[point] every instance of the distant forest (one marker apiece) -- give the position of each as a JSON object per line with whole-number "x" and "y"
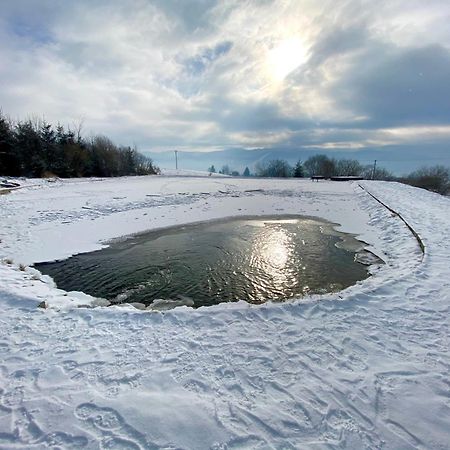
{"x": 36, "y": 148}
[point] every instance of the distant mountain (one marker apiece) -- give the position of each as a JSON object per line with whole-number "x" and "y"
{"x": 398, "y": 159}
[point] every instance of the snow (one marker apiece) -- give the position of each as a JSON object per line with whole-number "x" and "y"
{"x": 364, "y": 368}
{"x": 190, "y": 173}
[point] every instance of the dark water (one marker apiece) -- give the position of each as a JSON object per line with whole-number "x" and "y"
{"x": 250, "y": 259}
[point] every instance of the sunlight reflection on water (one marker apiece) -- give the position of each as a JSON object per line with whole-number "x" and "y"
{"x": 253, "y": 259}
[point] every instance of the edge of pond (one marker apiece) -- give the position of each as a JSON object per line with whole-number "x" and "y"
{"x": 374, "y": 263}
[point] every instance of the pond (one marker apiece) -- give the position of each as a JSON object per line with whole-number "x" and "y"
{"x": 252, "y": 259}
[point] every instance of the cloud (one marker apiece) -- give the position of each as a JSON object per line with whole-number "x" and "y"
{"x": 197, "y": 64}
{"x": 399, "y": 85}
{"x": 199, "y": 74}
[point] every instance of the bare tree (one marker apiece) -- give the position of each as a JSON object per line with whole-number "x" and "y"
{"x": 380, "y": 173}
{"x": 274, "y": 168}
{"x": 348, "y": 167}
{"x": 436, "y": 179}
{"x": 320, "y": 165}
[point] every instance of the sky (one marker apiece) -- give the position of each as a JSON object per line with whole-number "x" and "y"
{"x": 336, "y": 76}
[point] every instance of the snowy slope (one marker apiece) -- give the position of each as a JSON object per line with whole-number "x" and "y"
{"x": 365, "y": 368}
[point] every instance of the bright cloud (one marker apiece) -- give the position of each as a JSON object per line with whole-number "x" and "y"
{"x": 211, "y": 74}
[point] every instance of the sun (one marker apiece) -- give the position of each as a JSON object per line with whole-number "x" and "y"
{"x": 285, "y": 57}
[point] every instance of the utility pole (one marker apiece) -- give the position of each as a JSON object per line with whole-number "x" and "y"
{"x": 176, "y": 159}
{"x": 374, "y": 168}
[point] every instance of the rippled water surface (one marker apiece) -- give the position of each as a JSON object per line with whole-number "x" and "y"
{"x": 251, "y": 259}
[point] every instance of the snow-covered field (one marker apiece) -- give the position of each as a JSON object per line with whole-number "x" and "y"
{"x": 366, "y": 368}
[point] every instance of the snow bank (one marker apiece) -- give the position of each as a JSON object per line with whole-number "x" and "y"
{"x": 365, "y": 368}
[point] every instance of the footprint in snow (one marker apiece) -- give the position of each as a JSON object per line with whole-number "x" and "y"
{"x": 115, "y": 432}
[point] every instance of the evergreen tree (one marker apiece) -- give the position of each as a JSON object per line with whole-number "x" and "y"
{"x": 246, "y": 172}
{"x": 9, "y": 161}
{"x": 298, "y": 170}
{"x": 29, "y": 147}
{"x": 34, "y": 148}
{"x": 212, "y": 169}
{"x": 49, "y": 147}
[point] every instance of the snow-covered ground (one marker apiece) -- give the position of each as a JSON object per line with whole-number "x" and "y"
{"x": 365, "y": 368}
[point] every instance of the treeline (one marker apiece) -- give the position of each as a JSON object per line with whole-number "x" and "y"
{"x": 225, "y": 170}
{"x": 35, "y": 148}
{"x": 436, "y": 179}
{"x": 321, "y": 165}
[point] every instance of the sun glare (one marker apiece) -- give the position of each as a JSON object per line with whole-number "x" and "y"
{"x": 285, "y": 57}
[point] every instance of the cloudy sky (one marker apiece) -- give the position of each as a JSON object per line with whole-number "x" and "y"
{"x": 211, "y": 74}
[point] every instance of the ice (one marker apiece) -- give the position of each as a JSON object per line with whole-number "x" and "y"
{"x": 166, "y": 304}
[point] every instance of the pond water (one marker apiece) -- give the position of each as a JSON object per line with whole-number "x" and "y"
{"x": 253, "y": 259}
